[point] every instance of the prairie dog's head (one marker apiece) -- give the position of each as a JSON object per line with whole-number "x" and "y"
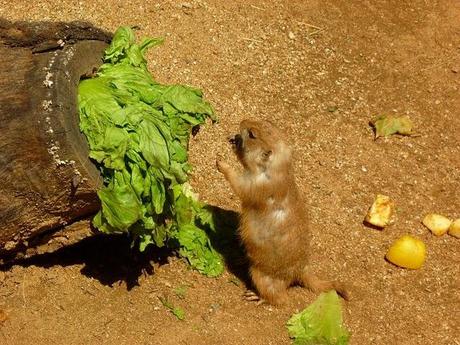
{"x": 260, "y": 146}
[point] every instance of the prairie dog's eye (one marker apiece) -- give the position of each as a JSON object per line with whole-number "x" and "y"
{"x": 251, "y": 134}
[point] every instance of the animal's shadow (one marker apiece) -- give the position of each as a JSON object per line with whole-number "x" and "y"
{"x": 227, "y": 242}
{"x": 111, "y": 259}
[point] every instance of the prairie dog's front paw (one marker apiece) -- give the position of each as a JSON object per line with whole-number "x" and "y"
{"x": 222, "y": 166}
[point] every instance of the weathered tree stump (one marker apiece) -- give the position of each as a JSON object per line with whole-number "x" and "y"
{"x": 47, "y": 181}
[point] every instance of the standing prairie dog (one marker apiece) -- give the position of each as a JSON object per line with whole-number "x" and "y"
{"x": 274, "y": 224}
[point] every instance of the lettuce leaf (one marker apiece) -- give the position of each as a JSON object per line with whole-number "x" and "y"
{"x": 388, "y": 125}
{"x": 138, "y": 131}
{"x": 320, "y": 323}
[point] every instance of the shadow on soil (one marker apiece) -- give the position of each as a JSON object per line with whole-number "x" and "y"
{"x": 110, "y": 258}
{"x": 226, "y": 241}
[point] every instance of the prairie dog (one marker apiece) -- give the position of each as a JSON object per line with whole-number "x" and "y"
{"x": 274, "y": 224}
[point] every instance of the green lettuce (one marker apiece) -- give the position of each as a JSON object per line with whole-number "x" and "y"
{"x": 320, "y": 323}
{"x": 138, "y": 132}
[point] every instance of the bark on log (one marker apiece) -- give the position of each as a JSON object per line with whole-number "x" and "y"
{"x": 46, "y": 178}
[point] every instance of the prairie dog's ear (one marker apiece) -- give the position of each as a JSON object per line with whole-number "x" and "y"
{"x": 266, "y": 154}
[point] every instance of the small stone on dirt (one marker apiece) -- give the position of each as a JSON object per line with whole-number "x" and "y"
{"x": 3, "y": 316}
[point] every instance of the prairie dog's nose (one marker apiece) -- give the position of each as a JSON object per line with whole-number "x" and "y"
{"x": 236, "y": 140}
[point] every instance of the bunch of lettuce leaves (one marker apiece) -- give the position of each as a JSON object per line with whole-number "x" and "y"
{"x": 138, "y": 132}
{"x": 320, "y": 323}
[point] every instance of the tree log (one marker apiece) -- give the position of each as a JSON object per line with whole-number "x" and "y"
{"x": 46, "y": 178}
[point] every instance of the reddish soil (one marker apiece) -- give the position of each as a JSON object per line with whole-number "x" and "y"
{"x": 321, "y": 70}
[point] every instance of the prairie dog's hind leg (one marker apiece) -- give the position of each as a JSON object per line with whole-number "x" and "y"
{"x": 271, "y": 289}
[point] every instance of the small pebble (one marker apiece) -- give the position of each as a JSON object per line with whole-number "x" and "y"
{"x": 3, "y": 316}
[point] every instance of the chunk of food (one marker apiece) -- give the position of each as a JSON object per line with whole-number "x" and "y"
{"x": 407, "y": 252}
{"x": 138, "y": 132}
{"x": 454, "y": 228}
{"x": 437, "y": 223}
{"x": 380, "y": 212}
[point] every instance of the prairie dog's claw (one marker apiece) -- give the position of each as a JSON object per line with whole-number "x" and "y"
{"x": 221, "y": 165}
{"x": 251, "y": 296}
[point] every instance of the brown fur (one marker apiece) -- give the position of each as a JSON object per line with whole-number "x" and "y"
{"x": 274, "y": 225}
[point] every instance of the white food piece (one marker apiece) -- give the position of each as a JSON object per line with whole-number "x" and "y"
{"x": 380, "y": 212}
{"x": 454, "y": 228}
{"x": 437, "y": 223}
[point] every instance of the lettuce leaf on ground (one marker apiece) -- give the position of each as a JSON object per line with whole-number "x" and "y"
{"x": 320, "y": 323}
{"x": 138, "y": 132}
{"x": 387, "y": 125}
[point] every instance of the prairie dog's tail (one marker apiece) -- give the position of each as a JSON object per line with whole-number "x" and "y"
{"x": 318, "y": 285}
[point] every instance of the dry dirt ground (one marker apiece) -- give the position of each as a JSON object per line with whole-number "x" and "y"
{"x": 321, "y": 70}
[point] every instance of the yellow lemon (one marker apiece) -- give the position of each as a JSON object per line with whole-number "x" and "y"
{"x": 407, "y": 252}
